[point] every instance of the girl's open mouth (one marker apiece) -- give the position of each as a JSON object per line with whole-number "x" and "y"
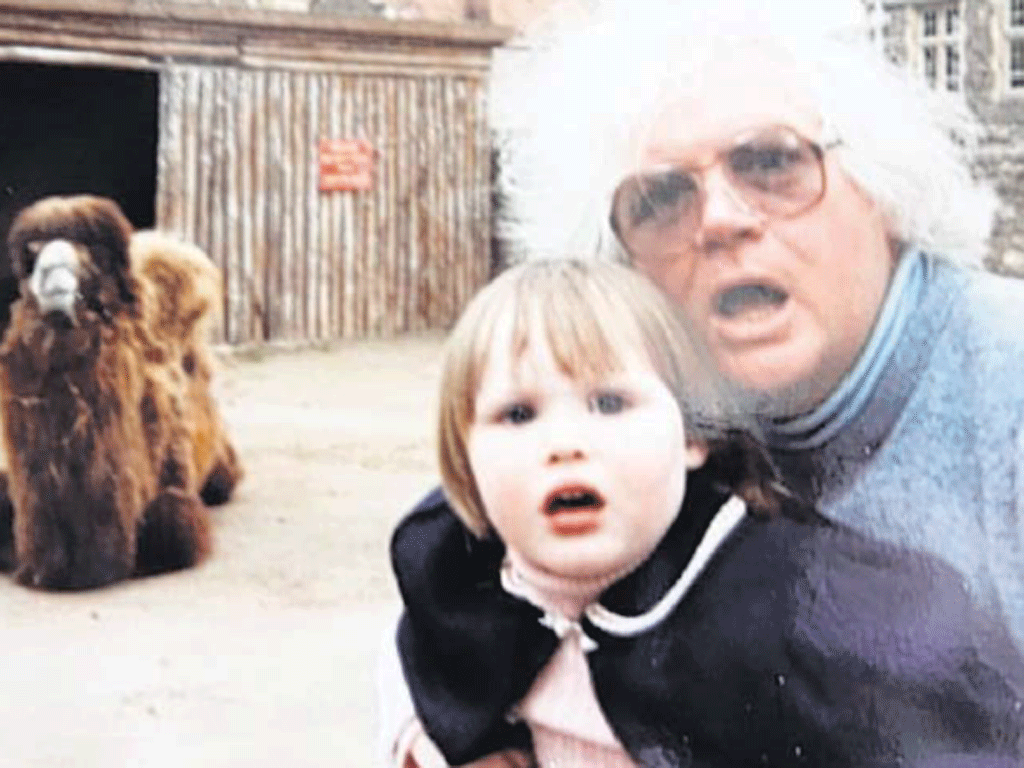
{"x": 573, "y": 509}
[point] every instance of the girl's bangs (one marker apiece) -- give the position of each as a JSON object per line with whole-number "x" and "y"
{"x": 586, "y": 333}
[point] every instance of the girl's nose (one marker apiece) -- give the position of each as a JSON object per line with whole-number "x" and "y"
{"x": 563, "y": 435}
{"x": 560, "y": 454}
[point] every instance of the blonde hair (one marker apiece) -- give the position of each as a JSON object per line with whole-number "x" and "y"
{"x": 589, "y": 313}
{"x": 572, "y": 102}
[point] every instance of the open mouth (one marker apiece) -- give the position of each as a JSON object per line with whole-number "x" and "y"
{"x": 749, "y": 298}
{"x": 573, "y": 499}
{"x": 573, "y": 510}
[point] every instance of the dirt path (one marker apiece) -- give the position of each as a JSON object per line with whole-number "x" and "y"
{"x": 265, "y": 655}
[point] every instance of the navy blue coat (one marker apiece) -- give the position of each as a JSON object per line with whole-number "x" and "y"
{"x": 800, "y": 644}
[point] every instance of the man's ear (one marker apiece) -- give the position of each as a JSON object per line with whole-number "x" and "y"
{"x": 696, "y": 454}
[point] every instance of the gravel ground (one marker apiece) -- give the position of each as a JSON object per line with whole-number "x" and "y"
{"x": 264, "y": 655}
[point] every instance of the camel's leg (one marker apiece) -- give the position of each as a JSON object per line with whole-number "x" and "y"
{"x": 6, "y": 525}
{"x": 221, "y": 481}
{"x": 55, "y": 550}
{"x": 174, "y": 533}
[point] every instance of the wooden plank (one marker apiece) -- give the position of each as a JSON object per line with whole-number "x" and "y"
{"x": 188, "y": 93}
{"x": 234, "y": 294}
{"x": 380, "y": 259}
{"x": 461, "y": 232}
{"x": 244, "y": 210}
{"x": 314, "y": 213}
{"x": 262, "y": 263}
{"x": 231, "y": 23}
{"x": 293, "y": 213}
{"x": 432, "y": 246}
{"x": 219, "y": 158}
{"x": 364, "y": 239}
{"x": 442, "y": 300}
{"x": 277, "y": 304}
{"x": 354, "y": 62}
{"x": 482, "y": 183}
{"x": 418, "y": 123}
{"x": 96, "y": 41}
{"x": 285, "y": 210}
{"x": 347, "y": 294}
{"x": 403, "y": 193}
{"x": 169, "y": 159}
{"x": 238, "y": 175}
{"x": 17, "y": 50}
{"x": 204, "y": 146}
{"x": 330, "y": 234}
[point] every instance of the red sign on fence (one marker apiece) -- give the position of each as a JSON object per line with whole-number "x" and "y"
{"x": 345, "y": 164}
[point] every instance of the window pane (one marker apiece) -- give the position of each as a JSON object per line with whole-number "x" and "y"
{"x": 930, "y": 66}
{"x": 952, "y": 60}
{"x": 1016, "y": 63}
{"x": 952, "y": 20}
{"x": 931, "y": 21}
{"x": 952, "y": 68}
{"x": 1017, "y": 13}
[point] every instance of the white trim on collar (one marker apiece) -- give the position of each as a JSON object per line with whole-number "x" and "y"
{"x": 723, "y": 523}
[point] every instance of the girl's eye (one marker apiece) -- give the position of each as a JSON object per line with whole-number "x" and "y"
{"x": 517, "y": 413}
{"x": 607, "y": 403}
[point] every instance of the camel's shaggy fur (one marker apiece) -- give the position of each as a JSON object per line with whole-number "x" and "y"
{"x": 111, "y": 431}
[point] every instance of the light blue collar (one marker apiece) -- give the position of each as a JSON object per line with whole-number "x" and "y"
{"x": 814, "y": 429}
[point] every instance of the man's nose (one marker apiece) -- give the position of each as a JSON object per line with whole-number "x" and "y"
{"x": 727, "y": 218}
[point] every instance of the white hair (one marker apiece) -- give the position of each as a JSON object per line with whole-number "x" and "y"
{"x": 573, "y": 98}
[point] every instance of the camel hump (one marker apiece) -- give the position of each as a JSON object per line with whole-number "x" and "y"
{"x": 186, "y": 288}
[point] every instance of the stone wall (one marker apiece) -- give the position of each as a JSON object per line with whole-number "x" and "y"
{"x": 1000, "y": 159}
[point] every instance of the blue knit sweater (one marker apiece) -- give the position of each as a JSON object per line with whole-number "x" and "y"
{"x": 922, "y": 445}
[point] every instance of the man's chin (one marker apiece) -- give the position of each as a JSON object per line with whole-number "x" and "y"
{"x": 782, "y": 403}
{"x": 775, "y": 397}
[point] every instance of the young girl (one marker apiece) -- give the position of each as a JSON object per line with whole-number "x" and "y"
{"x": 607, "y": 582}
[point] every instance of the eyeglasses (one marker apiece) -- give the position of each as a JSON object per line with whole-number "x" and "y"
{"x": 775, "y": 171}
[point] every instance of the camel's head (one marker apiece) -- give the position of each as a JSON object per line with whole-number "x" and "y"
{"x": 71, "y": 257}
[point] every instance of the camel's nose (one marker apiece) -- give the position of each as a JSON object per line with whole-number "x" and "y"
{"x": 54, "y": 279}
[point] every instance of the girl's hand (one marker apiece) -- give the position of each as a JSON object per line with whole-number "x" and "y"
{"x": 511, "y": 758}
{"x": 423, "y": 754}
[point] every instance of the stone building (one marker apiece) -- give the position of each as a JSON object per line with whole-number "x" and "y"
{"x": 975, "y": 47}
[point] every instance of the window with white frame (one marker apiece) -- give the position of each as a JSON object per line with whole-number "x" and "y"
{"x": 931, "y": 69}
{"x": 940, "y": 39}
{"x": 952, "y": 67}
{"x": 1016, "y": 13}
{"x": 929, "y": 22}
{"x": 1015, "y": 41}
{"x": 952, "y": 20}
{"x": 1017, "y": 62}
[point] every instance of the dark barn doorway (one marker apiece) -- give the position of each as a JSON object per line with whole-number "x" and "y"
{"x": 72, "y": 129}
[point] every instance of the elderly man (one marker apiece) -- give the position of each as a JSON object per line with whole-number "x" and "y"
{"x": 812, "y": 215}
